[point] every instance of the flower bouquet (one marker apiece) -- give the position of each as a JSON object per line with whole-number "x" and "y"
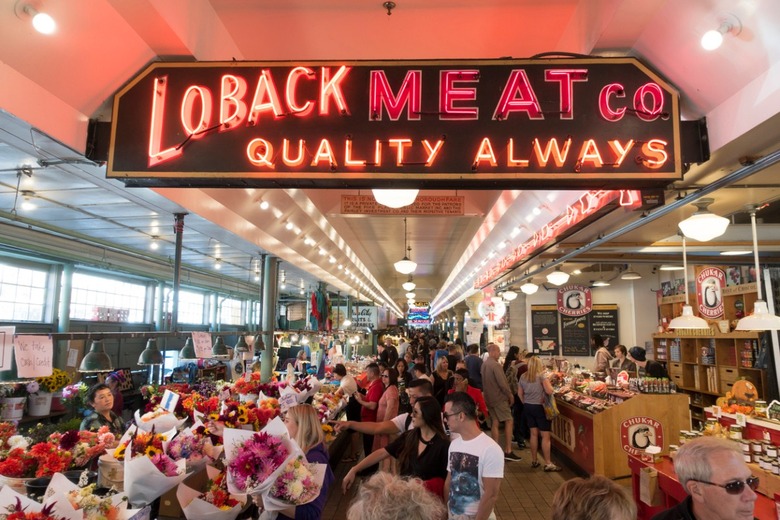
{"x": 15, "y": 506}
{"x": 215, "y": 503}
{"x": 76, "y": 396}
{"x": 247, "y": 416}
{"x": 194, "y": 446}
{"x": 41, "y": 460}
{"x": 306, "y": 387}
{"x": 248, "y": 386}
{"x": 57, "y": 381}
{"x": 254, "y": 460}
{"x": 69, "y": 501}
{"x": 149, "y": 472}
{"x": 83, "y": 445}
{"x": 299, "y": 483}
{"x": 158, "y": 419}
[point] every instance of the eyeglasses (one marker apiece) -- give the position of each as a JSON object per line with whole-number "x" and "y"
{"x": 448, "y": 415}
{"x": 735, "y": 487}
{"x": 385, "y": 375}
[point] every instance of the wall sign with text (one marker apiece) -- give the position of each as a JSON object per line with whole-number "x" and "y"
{"x": 591, "y": 122}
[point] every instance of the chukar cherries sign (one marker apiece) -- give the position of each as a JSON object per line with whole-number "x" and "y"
{"x": 575, "y": 300}
{"x": 709, "y": 292}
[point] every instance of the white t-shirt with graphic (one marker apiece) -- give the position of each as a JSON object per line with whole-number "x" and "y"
{"x": 468, "y": 463}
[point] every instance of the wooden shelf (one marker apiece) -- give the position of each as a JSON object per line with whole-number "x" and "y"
{"x": 42, "y": 418}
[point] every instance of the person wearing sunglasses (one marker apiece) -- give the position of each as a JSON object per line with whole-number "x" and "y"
{"x": 421, "y": 452}
{"x": 719, "y": 484}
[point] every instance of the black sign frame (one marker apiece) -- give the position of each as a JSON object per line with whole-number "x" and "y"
{"x": 147, "y": 121}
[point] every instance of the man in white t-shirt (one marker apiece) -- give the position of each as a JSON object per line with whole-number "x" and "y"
{"x": 475, "y": 463}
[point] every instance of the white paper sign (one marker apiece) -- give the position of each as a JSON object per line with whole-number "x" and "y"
{"x": 34, "y": 355}
{"x": 73, "y": 357}
{"x": 287, "y": 401}
{"x": 741, "y": 420}
{"x": 202, "y": 343}
{"x": 6, "y": 347}
{"x": 169, "y": 400}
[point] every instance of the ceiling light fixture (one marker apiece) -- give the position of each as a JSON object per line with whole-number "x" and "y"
{"x": 154, "y": 245}
{"x": 410, "y": 295}
{"x": 27, "y": 203}
{"x": 395, "y": 198}
{"x": 188, "y": 350}
{"x": 409, "y": 285}
{"x": 289, "y": 226}
{"x": 151, "y": 354}
{"x": 736, "y": 252}
{"x": 529, "y": 287}
{"x": 703, "y": 225}
{"x": 96, "y": 359}
{"x": 509, "y": 295}
{"x": 405, "y": 265}
{"x": 713, "y": 38}
{"x": 218, "y": 264}
{"x": 264, "y": 205}
{"x": 600, "y": 283}
{"x": 42, "y": 22}
{"x": 629, "y": 274}
{"x": 687, "y": 320}
{"x": 761, "y": 319}
{"x": 558, "y": 277}
{"x": 670, "y": 267}
{"x": 219, "y": 349}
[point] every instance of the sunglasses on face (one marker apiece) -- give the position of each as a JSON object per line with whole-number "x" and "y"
{"x": 735, "y": 487}
{"x": 385, "y": 376}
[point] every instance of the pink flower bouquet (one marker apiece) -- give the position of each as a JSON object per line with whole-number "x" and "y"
{"x": 299, "y": 483}
{"x": 255, "y": 459}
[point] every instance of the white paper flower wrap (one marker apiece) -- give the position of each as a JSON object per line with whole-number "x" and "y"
{"x": 161, "y": 423}
{"x": 195, "y": 508}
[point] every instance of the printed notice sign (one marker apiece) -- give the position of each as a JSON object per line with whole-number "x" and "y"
{"x": 287, "y": 401}
{"x": 6, "y": 347}
{"x": 202, "y": 343}
{"x": 34, "y": 355}
{"x": 169, "y": 400}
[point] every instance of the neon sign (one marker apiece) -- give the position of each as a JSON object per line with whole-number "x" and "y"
{"x": 513, "y": 123}
{"x": 585, "y": 209}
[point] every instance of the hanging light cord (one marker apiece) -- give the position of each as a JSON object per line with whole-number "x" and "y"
{"x": 685, "y": 270}
{"x": 755, "y": 251}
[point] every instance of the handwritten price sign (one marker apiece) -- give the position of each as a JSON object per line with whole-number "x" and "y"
{"x": 202, "y": 343}
{"x": 34, "y": 355}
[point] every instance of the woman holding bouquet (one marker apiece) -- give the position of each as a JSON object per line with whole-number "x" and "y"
{"x": 421, "y": 452}
{"x": 101, "y": 399}
{"x": 304, "y": 427}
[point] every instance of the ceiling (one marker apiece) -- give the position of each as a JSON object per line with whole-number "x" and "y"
{"x": 53, "y": 85}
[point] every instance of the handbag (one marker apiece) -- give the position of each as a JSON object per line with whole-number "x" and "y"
{"x": 550, "y": 408}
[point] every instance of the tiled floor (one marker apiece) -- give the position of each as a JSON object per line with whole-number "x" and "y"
{"x": 526, "y": 493}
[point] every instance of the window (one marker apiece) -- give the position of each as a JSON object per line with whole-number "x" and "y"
{"x": 22, "y": 293}
{"x": 230, "y": 312}
{"x": 191, "y": 306}
{"x": 106, "y": 299}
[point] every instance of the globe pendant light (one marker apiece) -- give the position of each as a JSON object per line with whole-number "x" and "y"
{"x": 405, "y": 266}
{"x": 96, "y": 359}
{"x": 687, "y": 320}
{"x": 219, "y": 349}
{"x": 703, "y": 225}
{"x": 409, "y": 285}
{"x": 395, "y": 198}
{"x": 761, "y": 319}
{"x": 558, "y": 277}
{"x": 151, "y": 355}
{"x": 188, "y": 350}
{"x": 529, "y": 287}
{"x": 509, "y": 295}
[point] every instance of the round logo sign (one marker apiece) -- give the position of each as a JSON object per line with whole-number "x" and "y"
{"x": 639, "y": 433}
{"x": 575, "y": 300}
{"x": 709, "y": 292}
{"x": 491, "y": 310}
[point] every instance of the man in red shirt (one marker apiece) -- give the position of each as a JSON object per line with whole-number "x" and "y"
{"x": 461, "y": 380}
{"x": 369, "y": 405}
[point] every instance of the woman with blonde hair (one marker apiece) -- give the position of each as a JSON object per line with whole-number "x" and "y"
{"x": 303, "y": 426}
{"x": 442, "y": 377}
{"x": 389, "y": 497}
{"x": 532, "y": 389}
{"x": 595, "y": 498}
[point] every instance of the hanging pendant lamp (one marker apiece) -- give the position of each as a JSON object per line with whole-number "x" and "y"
{"x": 405, "y": 265}
{"x": 96, "y": 359}
{"x": 219, "y": 349}
{"x": 395, "y": 198}
{"x": 558, "y": 277}
{"x": 761, "y": 319}
{"x": 409, "y": 285}
{"x": 241, "y": 346}
{"x": 151, "y": 354}
{"x": 704, "y": 225}
{"x": 529, "y": 287}
{"x": 687, "y": 320}
{"x": 188, "y": 350}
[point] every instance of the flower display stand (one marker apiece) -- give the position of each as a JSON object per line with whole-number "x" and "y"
{"x": 12, "y": 408}
{"x": 39, "y": 404}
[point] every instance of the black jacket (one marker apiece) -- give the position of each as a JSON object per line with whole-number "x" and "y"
{"x": 682, "y": 511}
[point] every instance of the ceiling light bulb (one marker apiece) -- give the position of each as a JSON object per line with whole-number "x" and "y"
{"x": 558, "y": 277}
{"x": 395, "y": 198}
{"x": 600, "y": 283}
{"x": 712, "y": 39}
{"x": 703, "y": 225}
{"x": 736, "y": 252}
{"x": 42, "y": 22}
{"x": 218, "y": 264}
{"x": 529, "y": 287}
{"x": 289, "y": 225}
{"x": 669, "y": 267}
{"x": 257, "y": 276}
{"x": 154, "y": 244}
{"x": 264, "y": 205}
{"x": 332, "y": 260}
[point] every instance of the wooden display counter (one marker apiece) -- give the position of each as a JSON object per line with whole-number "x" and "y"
{"x": 672, "y": 492}
{"x": 600, "y": 443}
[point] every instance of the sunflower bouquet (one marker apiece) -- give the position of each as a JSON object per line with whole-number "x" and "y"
{"x": 58, "y": 380}
{"x": 149, "y": 471}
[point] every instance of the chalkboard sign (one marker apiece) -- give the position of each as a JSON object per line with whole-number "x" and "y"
{"x": 604, "y": 321}
{"x": 575, "y": 337}
{"x": 544, "y": 328}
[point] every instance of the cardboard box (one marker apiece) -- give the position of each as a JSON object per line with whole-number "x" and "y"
{"x": 169, "y": 504}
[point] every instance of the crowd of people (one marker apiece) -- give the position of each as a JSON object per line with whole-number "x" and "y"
{"x": 425, "y": 453}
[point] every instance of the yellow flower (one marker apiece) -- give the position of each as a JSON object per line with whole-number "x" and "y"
{"x": 152, "y": 451}
{"x": 119, "y": 452}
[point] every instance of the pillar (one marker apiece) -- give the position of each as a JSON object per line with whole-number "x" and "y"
{"x": 178, "y": 228}
{"x": 270, "y": 296}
